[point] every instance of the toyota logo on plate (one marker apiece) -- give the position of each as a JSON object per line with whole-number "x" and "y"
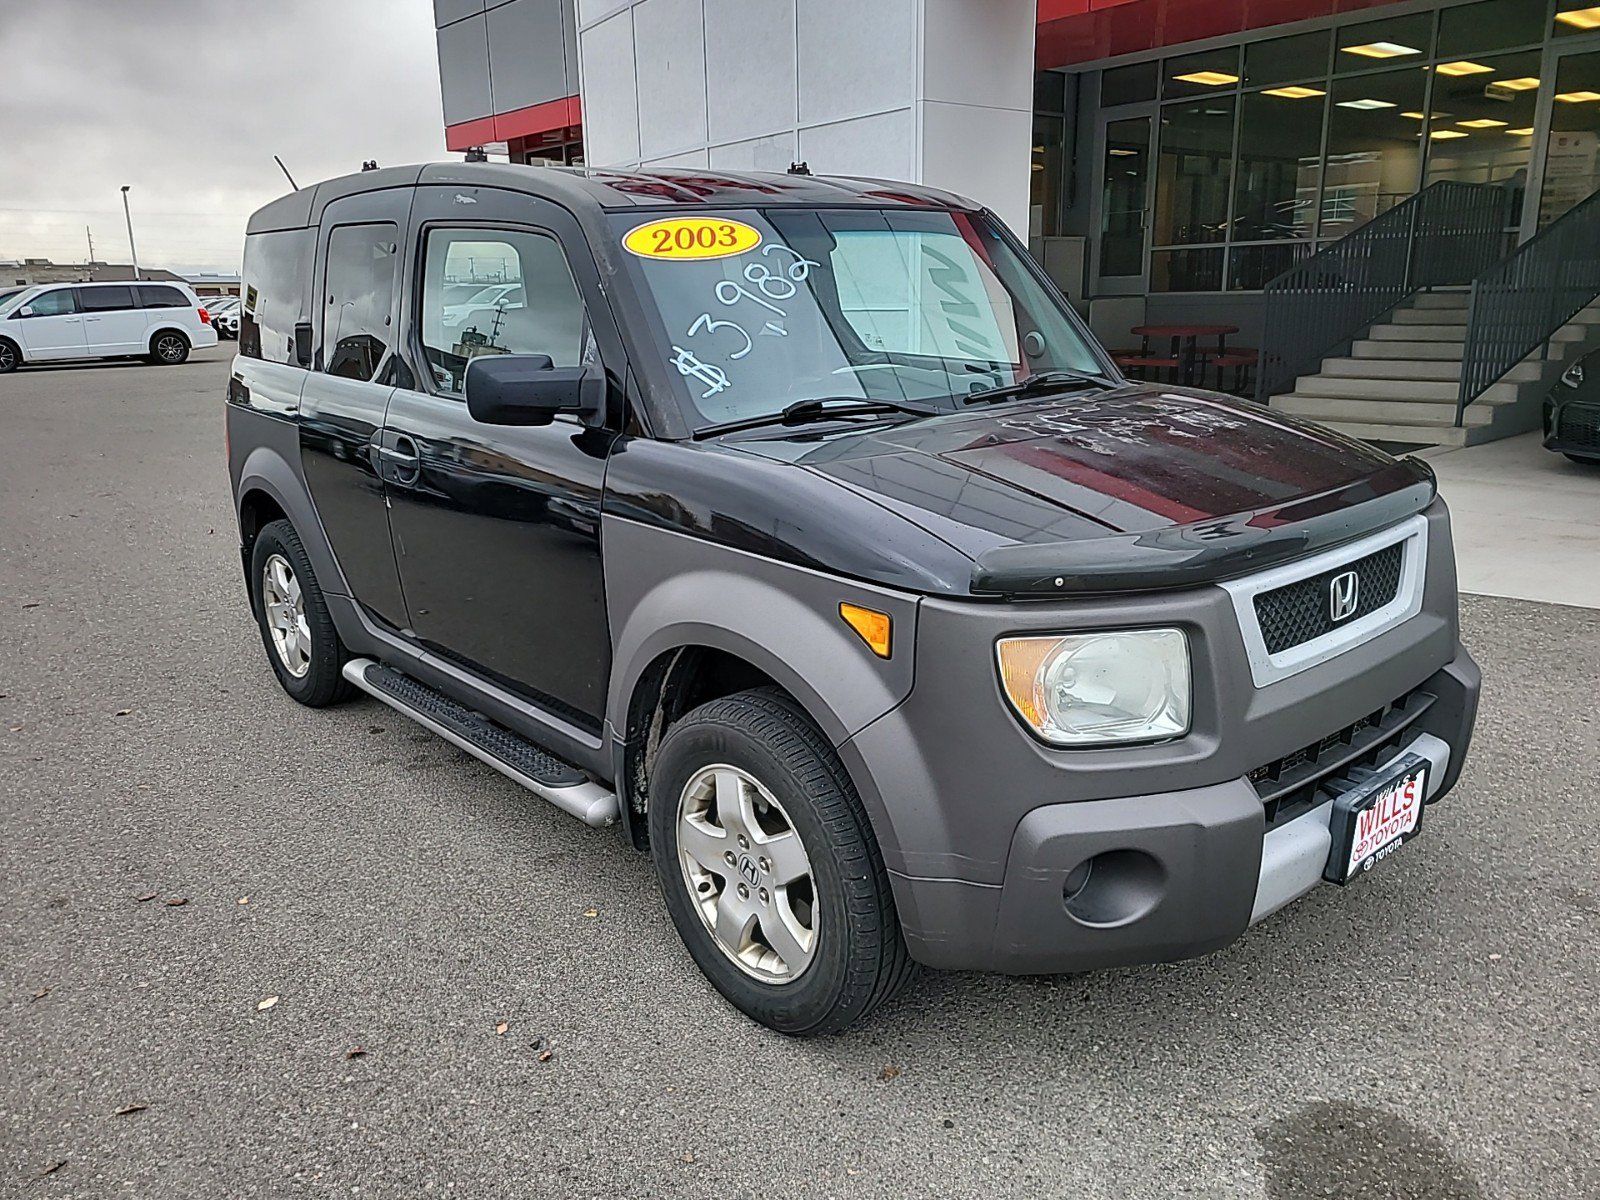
{"x": 1344, "y": 592}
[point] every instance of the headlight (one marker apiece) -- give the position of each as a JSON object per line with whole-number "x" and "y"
{"x": 1096, "y": 689}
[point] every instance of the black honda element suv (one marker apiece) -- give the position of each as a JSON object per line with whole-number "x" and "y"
{"x": 798, "y": 526}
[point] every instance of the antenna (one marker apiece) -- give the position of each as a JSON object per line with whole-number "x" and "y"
{"x": 285, "y": 171}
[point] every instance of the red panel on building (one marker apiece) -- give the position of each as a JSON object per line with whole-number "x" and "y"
{"x": 1080, "y": 31}
{"x": 519, "y": 123}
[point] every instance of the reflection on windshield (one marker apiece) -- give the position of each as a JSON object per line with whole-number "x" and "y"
{"x": 875, "y": 304}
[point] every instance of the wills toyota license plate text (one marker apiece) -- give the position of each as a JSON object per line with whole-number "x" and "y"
{"x": 1377, "y": 820}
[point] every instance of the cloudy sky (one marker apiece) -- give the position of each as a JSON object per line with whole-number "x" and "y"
{"x": 187, "y": 101}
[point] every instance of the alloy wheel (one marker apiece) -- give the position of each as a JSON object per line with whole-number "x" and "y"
{"x": 169, "y": 348}
{"x": 285, "y": 608}
{"x": 8, "y": 357}
{"x": 748, "y": 873}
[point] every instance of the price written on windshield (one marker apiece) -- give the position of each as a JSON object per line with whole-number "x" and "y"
{"x": 691, "y": 238}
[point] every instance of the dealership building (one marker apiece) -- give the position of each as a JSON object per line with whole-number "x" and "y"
{"x": 1172, "y": 163}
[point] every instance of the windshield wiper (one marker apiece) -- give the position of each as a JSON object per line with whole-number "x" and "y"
{"x": 819, "y": 408}
{"x": 1038, "y": 385}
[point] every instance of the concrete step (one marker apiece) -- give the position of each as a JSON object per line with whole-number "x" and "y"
{"x": 1326, "y": 409}
{"x": 1425, "y": 391}
{"x": 1378, "y": 367}
{"x": 1409, "y": 332}
{"x": 1427, "y": 435}
{"x": 1441, "y": 300}
{"x": 1429, "y": 316}
{"x": 1376, "y": 348}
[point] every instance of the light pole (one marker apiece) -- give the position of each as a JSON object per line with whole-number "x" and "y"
{"x": 132, "y": 249}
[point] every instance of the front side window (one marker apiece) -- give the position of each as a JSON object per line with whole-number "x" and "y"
{"x": 360, "y": 299}
{"x": 106, "y": 299}
{"x": 497, "y": 292}
{"x": 802, "y": 304}
{"x": 53, "y": 304}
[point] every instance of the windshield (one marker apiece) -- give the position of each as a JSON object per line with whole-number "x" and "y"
{"x": 8, "y": 297}
{"x": 798, "y": 304}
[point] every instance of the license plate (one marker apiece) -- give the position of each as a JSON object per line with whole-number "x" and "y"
{"x": 1375, "y": 817}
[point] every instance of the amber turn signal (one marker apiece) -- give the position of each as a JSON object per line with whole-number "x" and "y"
{"x": 871, "y": 627}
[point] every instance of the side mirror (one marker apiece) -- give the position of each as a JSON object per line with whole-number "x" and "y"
{"x": 25, "y": 311}
{"x": 528, "y": 389}
{"x": 302, "y": 343}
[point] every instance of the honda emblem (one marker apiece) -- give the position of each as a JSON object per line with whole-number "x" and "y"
{"x": 1344, "y": 591}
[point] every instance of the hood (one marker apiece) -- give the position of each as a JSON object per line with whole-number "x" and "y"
{"x": 1093, "y": 481}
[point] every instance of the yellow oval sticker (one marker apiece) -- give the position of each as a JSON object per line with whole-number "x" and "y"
{"x": 692, "y": 237}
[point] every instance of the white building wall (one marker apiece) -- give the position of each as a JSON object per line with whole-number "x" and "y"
{"x": 932, "y": 91}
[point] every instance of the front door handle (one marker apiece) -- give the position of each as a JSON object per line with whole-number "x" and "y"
{"x": 403, "y": 459}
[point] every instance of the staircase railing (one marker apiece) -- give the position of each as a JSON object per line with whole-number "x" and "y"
{"x": 1520, "y": 303}
{"x": 1445, "y": 234}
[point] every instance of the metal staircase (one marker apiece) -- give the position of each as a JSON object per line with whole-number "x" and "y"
{"x": 1441, "y": 364}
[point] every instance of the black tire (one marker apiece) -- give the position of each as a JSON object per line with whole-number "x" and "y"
{"x": 168, "y": 348}
{"x": 10, "y": 356}
{"x": 860, "y": 958}
{"x": 321, "y": 683}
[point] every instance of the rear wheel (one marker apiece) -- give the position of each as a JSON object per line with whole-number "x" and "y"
{"x": 302, "y": 644}
{"x": 769, "y": 867}
{"x": 10, "y": 356}
{"x": 169, "y": 348}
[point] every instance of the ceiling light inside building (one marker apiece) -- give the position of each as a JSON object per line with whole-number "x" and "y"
{"x": 1525, "y": 84}
{"x": 1462, "y": 68}
{"x": 1365, "y": 104}
{"x": 1382, "y": 50}
{"x": 1293, "y": 93}
{"x": 1444, "y": 135}
{"x": 1484, "y": 123}
{"x": 1527, "y": 132}
{"x": 1421, "y": 116}
{"x": 1123, "y": 153}
{"x": 1577, "y": 97}
{"x": 1208, "y": 78}
{"x": 1581, "y": 18}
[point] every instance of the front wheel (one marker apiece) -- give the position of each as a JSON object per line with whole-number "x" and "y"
{"x": 769, "y": 867}
{"x": 10, "y": 356}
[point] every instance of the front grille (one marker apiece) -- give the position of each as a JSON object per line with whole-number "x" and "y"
{"x": 1301, "y": 611}
{"x": 1289, "y": 786}
{"x": 1580, "y": 425}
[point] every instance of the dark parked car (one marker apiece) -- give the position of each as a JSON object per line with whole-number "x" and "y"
{"x": 798, "y": 525}
{"x": 1572, "y": 411}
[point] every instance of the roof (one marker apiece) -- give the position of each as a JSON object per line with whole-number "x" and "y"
{"x": 120, "y": 273}
{"x": 596, "y": 187}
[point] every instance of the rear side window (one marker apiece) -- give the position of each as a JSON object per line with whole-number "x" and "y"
{"x": 360, "y": 299}
{"x": 277, "y": 285}
{"x": 161, "y": 297}
{"x": 105, "y": 299}
{"x": 54, "y": 304}
{"x": 487, "y": 292}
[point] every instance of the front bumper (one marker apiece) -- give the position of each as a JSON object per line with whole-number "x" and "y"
{"x": 1573, "y": 427}
{"x": 1175, "y": 874}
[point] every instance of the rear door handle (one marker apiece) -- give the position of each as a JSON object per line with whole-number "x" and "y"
{"x": 400, "y": 461}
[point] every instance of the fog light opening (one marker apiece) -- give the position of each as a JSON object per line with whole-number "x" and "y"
{"x": 1114, "y": 887}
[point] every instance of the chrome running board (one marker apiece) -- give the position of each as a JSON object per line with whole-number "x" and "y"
{"x": 515, "y": 757}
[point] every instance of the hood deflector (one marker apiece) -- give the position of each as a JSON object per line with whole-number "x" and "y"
{"x": 1205, "y": 551}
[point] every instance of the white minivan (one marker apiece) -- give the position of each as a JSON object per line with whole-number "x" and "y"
{"x": 55, "y": 322}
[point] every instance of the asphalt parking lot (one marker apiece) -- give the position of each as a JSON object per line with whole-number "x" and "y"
{"x": 531, "y": 1025}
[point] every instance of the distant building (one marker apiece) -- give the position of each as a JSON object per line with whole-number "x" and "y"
{"x": 213, "y": 283}
{"x": 42, "y": 270}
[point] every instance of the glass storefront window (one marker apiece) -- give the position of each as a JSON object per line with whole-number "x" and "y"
{"x": 1193, "y": 172}
{"x": 1576, "y": 16}
{"x": 1280, "y": 164}
{"x": 1389, "y": 42}
{"x": 1186, "y": 270}
{"x": 1049, "y": 153}
{"x": 1572, "y": 157}
{"x": 1201, "y": 74}
{"x": 1126, "y": 195}
{"x": 1482, "y": 127}
{"x": 1250, "y": 267}
{"x": 1491, "y": 25}
{"x": 1376, "y": 125}
{"x": 1128, "y": 85}
{"x": 1284, "y": 60}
